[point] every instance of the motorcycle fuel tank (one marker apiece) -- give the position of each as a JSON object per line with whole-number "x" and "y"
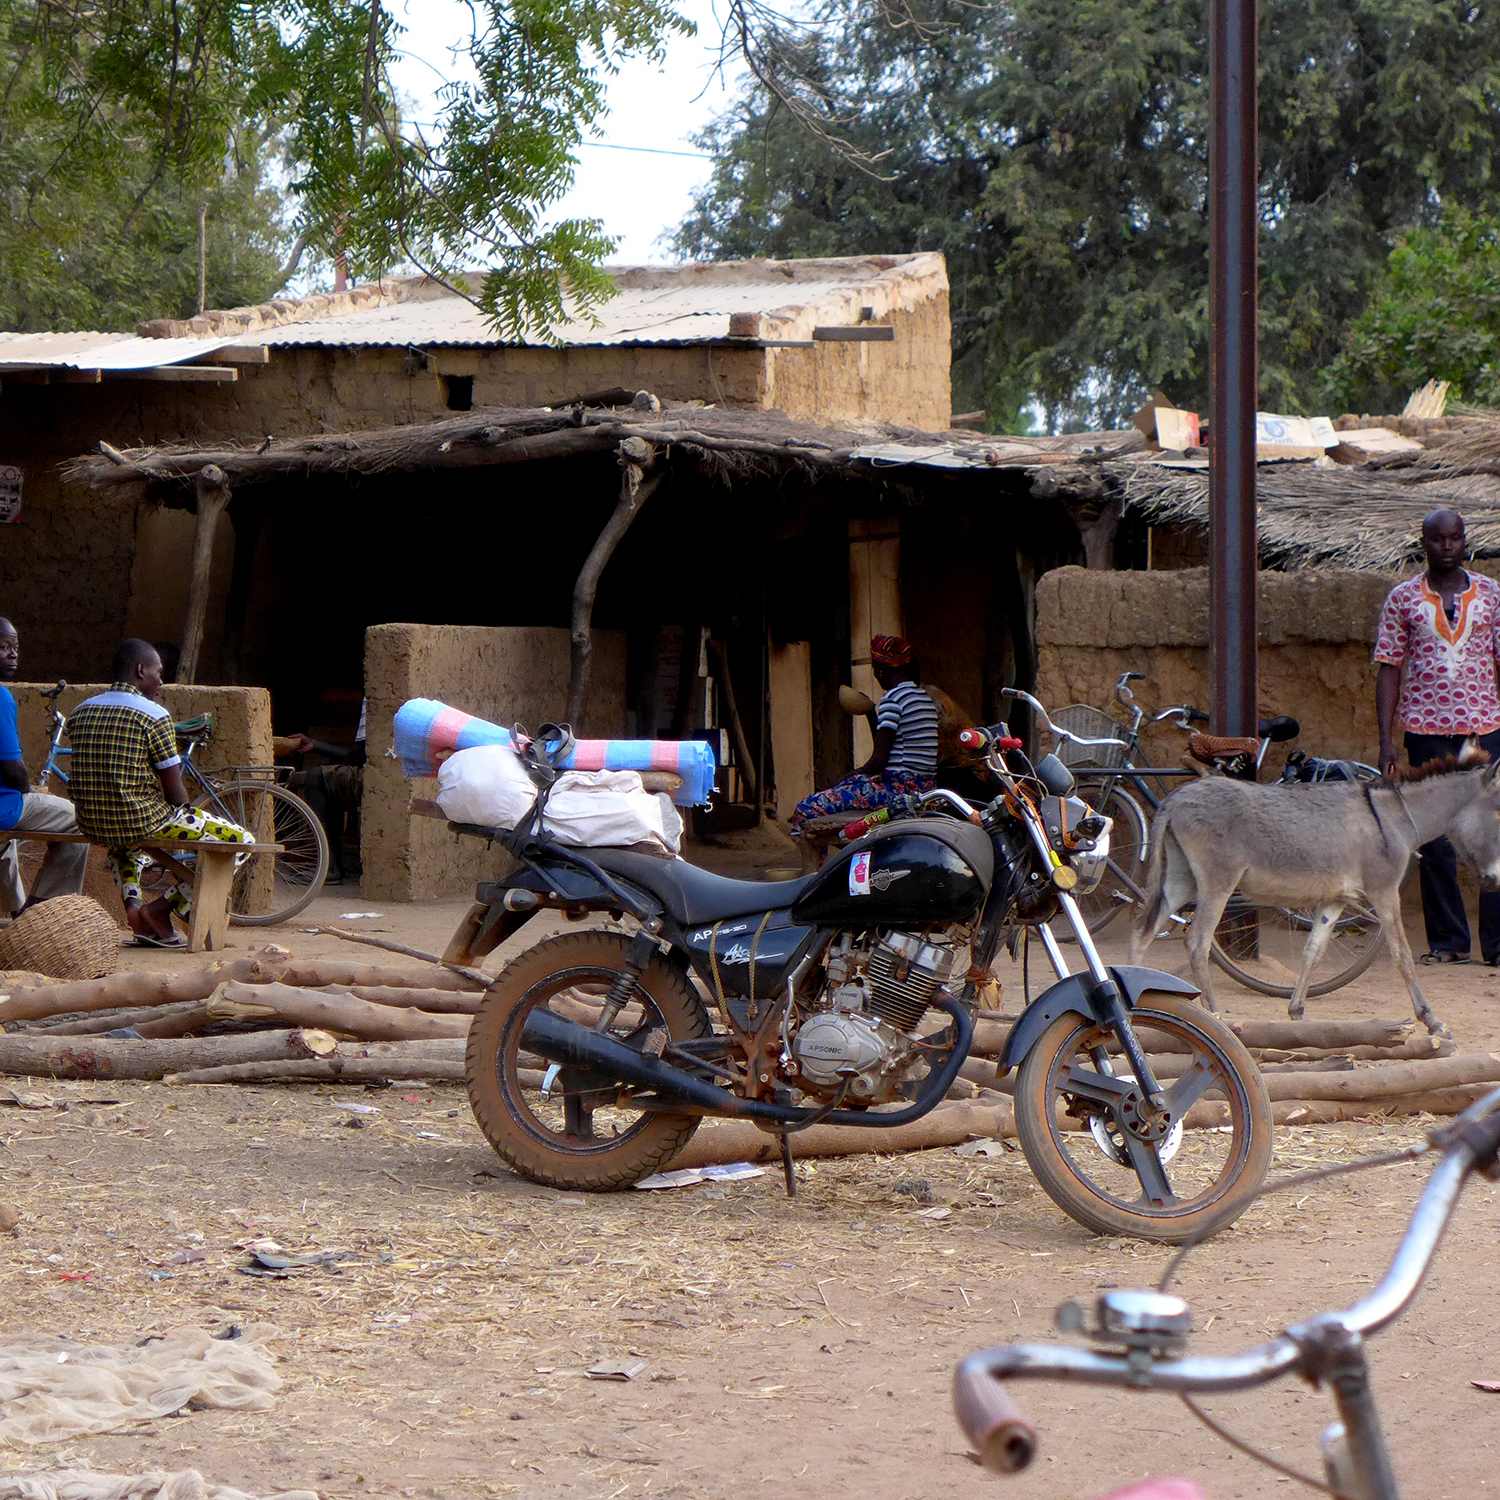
{"x": 914, "y": 873}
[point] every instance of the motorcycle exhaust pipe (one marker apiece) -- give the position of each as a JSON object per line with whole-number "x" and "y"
{"x": 574, "y": 1046}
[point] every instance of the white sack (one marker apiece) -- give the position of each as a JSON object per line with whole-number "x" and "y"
{"x": 155, "y": 1484}
{"x": 487, "y": 785}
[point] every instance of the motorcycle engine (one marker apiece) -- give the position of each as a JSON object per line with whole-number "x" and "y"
{"x": 877, "y": 993}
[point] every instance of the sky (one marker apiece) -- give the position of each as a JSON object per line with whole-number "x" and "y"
{"x": 641, "y": 170}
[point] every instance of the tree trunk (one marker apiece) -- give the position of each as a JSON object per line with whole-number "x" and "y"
{"x": 325, "y": 1070}
{"x": 635, "y": 490}
{"x": 1389, "y": 1081}
{"x": 100, "y": 1057}
{"x": 1303, "y": 1034}
{"x": 213, "y": 495}
{"x": 133, "y": 989}
{"x": 331, "y": 1012}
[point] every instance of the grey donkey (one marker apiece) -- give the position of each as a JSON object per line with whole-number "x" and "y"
{"x": 1317, "y": 846}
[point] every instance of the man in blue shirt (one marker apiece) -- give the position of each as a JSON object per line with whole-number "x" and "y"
{"x": 20, "y": 807}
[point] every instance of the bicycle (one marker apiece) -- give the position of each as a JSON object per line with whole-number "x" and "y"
{"x": 1144, "y": 1334}
{"x": 1258, "y": 946}
{"x": 269, "y": 887}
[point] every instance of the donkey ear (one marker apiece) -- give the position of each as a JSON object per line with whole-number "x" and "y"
{"x": 1472, "y": 754}
{"x": 1490, "y": 774}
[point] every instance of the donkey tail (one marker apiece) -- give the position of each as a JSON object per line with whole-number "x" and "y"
{"x": 1153, "y": 911}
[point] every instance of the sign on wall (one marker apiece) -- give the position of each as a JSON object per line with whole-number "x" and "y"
{"x": 10, "y": 493}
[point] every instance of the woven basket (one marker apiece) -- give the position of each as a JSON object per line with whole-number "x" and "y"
{"x": 69, "y": 937}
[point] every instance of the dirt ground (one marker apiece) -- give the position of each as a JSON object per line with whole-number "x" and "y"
{"x": 805, "y": 1344}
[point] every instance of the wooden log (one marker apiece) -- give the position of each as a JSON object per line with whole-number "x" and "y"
{"x": 150, "y": 1020}
{"x": 1389, "y": 1081}
{"x": 326, "y": 1070}
{"x": 317, "y": 973}
{"x": 1422, "y": 1046}
{"x": 717, "y": 1142}
{"x": 476, "y": 977}
{"x": 331, "y": 1011}
{"x": 1329, "y": 1112}
{"x": 450, "y": 1002}
{"x": 102, "y": 1057}
{"x": 1302, "y": 1034}
{"x": 136, "y": 988}
{"x": 438, "y": 1046}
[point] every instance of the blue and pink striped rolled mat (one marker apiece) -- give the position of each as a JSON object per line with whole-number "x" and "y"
{"x": 427, "y": 729}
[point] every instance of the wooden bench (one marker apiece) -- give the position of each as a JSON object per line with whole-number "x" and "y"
{"x": 212, "y": 874}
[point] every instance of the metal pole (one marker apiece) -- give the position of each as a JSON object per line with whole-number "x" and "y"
{"x": 1233, "y": 162}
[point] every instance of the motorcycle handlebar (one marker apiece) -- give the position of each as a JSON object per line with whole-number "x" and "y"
{"x": 1472, "y": 1140}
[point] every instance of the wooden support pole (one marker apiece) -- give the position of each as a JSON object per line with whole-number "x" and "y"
{"x": 635, "y": 489}
{"x": 213, "y": 495}
{"x": 737, "y": 738}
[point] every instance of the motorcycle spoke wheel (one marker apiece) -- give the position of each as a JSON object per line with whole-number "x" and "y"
{"x": 1084, "y": 1142}
{"x": 555, "y": 1125}
{"x": 1261, "y": 946}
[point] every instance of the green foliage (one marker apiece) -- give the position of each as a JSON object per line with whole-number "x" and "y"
{"x": 1055, "y": 150}
{"x": 1434, "y": 315}
{"x": 118, "y": 117}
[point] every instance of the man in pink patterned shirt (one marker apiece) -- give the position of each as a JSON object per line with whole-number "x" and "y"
{"x": 1443, "y": 627}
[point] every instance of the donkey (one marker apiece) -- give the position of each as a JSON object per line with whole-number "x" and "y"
{"x": 1315, "y": 846}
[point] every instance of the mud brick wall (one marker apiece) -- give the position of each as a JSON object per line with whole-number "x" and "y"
{"x": 1317, "y": 630}
{"x": 242, "y": 720}
{"x": 507, "y": 675}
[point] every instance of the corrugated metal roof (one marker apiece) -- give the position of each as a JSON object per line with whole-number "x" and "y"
{"x": 98, "y": 351}
{"x": 691, "y": 313}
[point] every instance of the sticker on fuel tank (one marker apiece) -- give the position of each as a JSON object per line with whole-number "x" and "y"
{"x": 859, "y": 874}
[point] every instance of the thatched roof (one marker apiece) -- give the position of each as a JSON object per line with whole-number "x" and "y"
{"x": 1347, "y": 516}
{"x": 734, "y": 440}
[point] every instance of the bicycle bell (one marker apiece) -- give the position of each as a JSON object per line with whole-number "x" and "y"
{"x": 1151, "y": 1322}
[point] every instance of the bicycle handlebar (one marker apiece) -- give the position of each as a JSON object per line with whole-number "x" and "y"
{"x": 993, "y": 1422}
{"x": 1065, "y": 734}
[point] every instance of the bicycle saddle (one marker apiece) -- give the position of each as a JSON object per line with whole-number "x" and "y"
{"x": 1211, "y": 747}
{"x": 200, "y": 727}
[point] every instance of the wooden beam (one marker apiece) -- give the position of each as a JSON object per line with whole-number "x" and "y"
{"x": 213, "y": 495}
{"x": 197, "y": 373}
{"x": 242, "y": 354}
{"x": 856, "y": 333}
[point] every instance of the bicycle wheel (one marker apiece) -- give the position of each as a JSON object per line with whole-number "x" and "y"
{"x": 269, "y": 888}
{"x": 1129, "y": 843}
{"x": 1261, "y": 946}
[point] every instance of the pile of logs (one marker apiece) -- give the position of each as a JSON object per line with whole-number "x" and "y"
{"x": 264, "y": 1017}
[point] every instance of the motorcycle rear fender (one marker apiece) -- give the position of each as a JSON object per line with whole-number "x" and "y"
{"x": 1073, "y": 994}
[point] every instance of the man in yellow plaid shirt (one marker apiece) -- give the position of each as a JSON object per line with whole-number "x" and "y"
{"x": 126, "y": 783}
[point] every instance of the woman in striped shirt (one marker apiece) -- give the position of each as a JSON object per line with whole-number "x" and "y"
{"x": 904, "y": 759}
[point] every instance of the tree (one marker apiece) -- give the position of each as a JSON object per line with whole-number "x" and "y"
{"x": 119, "y": 117}
{"x": 1056, "y": 151}
{"x": 1434, "y": 314}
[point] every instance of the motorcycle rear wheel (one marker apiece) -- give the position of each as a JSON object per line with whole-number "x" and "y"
{"x": 590, "y": 1140}
{"x": 1114, "y": 1182}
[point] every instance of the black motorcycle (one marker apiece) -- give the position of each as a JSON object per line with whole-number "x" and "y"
{"x": 848, "y": 997}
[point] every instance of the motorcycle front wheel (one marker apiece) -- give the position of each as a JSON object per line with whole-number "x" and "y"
{"x": 1113, "y": 1173}
{"x": 540, "y": 1119}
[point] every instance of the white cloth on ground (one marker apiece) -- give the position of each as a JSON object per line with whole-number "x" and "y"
{"x": 83, "y": 1484}
{"x": 52, "y": 1388}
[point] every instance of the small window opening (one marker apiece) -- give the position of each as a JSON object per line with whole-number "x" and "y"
{"x": 459, "y": 390}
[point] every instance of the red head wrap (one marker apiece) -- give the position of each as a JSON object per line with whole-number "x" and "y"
{"x": 890, "y": 650}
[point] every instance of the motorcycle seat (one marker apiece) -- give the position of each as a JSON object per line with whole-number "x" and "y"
{"x": 693, "y": 896}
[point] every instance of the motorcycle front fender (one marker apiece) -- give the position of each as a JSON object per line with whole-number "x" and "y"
{"x": 1075, "y": 994}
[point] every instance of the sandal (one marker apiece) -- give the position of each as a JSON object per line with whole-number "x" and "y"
{"x": 1444, "y": 956}
{"x": 150, "y": 940}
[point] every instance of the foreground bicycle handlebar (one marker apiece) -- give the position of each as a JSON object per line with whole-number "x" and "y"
{"x": 1149, "y": 1329}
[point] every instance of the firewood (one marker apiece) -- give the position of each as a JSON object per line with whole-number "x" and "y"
{"x": 325, "y": 1070}
{"x": 1388, "y": 1081}
{"x": 1423, "y": 1046}
{"x": 134, "y": 988}
{"x": 316, "y": 973}
{"x": 333, "y": 1011}
{"x": 103, "y": 1057}
{"x": 1167, "y": 1065}
{"x": 450, "y": 1002}
{"x": 181, "y": 1019}
{"x": 473, "y": 975}
{"x": 1329, "y": 1112}
{"x": 1304, "y": 1034}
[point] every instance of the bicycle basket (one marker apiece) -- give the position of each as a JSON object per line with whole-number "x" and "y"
{"x": 1091, "y": 724}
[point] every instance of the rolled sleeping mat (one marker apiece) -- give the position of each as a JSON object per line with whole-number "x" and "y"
{"x": 428, "y": 732}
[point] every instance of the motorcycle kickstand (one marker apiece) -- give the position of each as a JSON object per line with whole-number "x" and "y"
{"x": 788, "y": 1171}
